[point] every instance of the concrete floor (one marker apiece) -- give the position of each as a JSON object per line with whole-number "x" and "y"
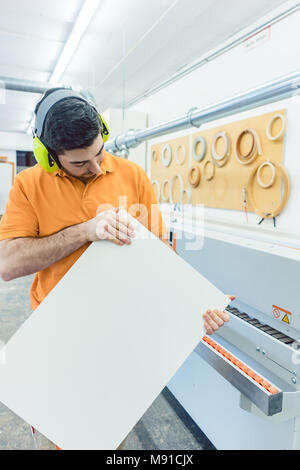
{"x": 165, "y": 425}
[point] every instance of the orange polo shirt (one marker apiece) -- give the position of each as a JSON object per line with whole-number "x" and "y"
{"x": 41, "y": 204}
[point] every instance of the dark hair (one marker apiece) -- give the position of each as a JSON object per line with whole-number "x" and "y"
{"x": 70, "y": 124}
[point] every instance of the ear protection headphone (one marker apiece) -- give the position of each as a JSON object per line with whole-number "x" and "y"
{"x": 41, "y": 153}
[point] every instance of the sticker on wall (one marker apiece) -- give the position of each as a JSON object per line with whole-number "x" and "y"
{"x": 281, "y": 314}
{"x": 257, "y": 39}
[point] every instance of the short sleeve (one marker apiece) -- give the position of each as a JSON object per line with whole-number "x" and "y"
{"x": 151, "y": 217}
{"x": 19, "y": 219}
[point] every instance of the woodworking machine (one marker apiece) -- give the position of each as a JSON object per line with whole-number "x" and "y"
{"x": 241, "y": 385}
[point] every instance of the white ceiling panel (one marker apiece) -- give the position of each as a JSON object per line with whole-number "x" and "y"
{"x": 25, "y": 26}
{"x": 134, "y": 13}
{"x": 161, "y": 54}
{"x": 33, "y": 57}
{"x": 32, "y": 36}
{"x": 63, "y": 10}
{"x": 105, "y": 42}
{"x": 143, "y": 41}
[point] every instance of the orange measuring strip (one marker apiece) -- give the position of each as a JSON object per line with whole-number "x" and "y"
{"x": 281, "y": 309}
{"x": 257, "y": 378}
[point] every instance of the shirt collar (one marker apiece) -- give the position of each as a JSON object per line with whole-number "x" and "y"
{"x": 107, "y": 165}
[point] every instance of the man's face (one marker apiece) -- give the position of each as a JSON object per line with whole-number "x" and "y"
{"x": 83, "y": 164}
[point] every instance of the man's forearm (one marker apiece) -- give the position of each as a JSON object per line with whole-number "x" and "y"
{"x": 24, "y": 256}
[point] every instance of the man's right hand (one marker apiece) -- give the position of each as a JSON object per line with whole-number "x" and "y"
{"x": 27, "y": 255}
{"x": 110, "y": 225}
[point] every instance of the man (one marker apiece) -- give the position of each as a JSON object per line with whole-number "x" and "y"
{"x": 51, "y": 218}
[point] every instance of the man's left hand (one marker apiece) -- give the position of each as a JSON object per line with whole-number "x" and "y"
{"x": 214, "y": 319}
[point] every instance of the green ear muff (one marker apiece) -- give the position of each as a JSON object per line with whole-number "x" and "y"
{"x": 105, "y": 129}
{"x": 46, "y": 161}
{"x": 43, "y": 157}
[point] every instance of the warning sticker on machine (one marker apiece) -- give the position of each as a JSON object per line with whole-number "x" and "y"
{"x": 281, "y": 314}
{"x": 286, "y": 319}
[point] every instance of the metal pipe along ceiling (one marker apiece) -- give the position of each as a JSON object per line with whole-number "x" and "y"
{"x": 29, "y": 86}
{"x": 279, "y": 89}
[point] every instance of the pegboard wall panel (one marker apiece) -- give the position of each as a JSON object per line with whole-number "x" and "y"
{"x": 225, "y": 189}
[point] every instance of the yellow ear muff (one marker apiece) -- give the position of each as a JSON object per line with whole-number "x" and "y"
{"x": 46, "y": 161}
{"x": 43, "y": 157}
{"x": 104, "y": 128}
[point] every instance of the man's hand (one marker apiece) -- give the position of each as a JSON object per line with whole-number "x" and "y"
{"x": 110, "y": 225}
{"x": 214, "y": 319}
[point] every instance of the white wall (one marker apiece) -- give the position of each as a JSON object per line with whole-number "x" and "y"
{"x": 119, "y": 124}
{"x": 235, "y": 72}
{"x": 16, "y": 141}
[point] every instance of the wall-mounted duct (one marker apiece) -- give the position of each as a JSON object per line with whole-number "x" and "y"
{"x": 279, "y": 89}
{"x": 29, "y": 86}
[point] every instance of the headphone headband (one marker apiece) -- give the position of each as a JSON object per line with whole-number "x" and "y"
{"x": 48, "y": 102}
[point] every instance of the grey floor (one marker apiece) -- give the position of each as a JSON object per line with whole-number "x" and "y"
{"x": 164, "y": 426}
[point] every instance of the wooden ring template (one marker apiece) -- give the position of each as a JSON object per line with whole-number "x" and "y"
{"x": 274, "y": 212}
{"x": 194, "y": 176}
{"x": 163, "y": 193}
{"x": 255, "y": 147}
{"x": 180, "y": 162}
{"x": 207, "y": 176}
{"x": 220, "y": 160}
{"x": 154, "y": 155}
{"x": 282, "y": 130}
{"x": 172, "y": 186}
{"x": 156, "y": 183}
{"x": 202, "y": 141}
{"x": 166, "y": 160}
{"x": 259, "y": 180}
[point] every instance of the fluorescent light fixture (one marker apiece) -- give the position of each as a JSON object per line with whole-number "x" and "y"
{"x": 86, "y": 13}
{"x": 83, "y": 20}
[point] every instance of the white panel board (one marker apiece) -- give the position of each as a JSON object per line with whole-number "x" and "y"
{"x": 92, "y": 358}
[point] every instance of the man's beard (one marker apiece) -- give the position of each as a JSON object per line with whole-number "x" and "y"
{"x": 83, "y": 179}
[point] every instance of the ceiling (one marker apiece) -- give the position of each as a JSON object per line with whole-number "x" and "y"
{"x": 127, "y": 48}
